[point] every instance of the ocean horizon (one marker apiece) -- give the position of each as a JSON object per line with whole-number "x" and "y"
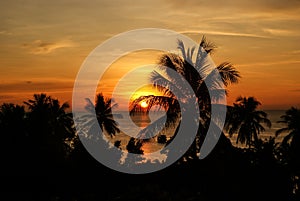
{"x": 131, "y": 127}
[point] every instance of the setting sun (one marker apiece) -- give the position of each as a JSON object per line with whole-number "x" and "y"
{"x": 144, "y": 104}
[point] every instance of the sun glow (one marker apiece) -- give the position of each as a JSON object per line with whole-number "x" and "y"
{"x": 144, "y": 104}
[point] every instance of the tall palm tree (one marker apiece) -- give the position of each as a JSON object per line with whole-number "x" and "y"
{"x": 199, "y": 76}
{"x": 292, "y": 121}
{"x": 246, "y": 121}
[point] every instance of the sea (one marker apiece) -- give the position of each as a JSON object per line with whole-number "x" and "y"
{"x": 130, "y": 126}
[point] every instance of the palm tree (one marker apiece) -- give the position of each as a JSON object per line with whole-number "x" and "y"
{"x": 47, "y": 113}
{"x": 290, "y": 145}
{"x": 50, "y": 126}
{"x": 246, "y": 121}
{"x": 105, "y": 118}
{"x": 199, "y": 76}
{"x": 12, "y": 119}
{"x": 87, "y": 132}
{"x": 292, "y": 121}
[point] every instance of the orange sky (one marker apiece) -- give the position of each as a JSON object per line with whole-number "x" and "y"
{"x": 43, "y": 43}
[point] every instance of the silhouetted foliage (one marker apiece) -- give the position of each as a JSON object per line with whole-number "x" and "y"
{"x": 246, "y": 121}
{"x": 103, "y": 111}
{"x": 200, "y": 77}
{"x": 162, "y": 139}
{"x": 134, "y": 146}
{"x": 290, "y": 145}
{"x": 50, "y": 126}
{"x": 43, "y": 157}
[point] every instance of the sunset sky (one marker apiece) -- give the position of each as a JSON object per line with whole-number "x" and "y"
{"x": 44, "y": 43}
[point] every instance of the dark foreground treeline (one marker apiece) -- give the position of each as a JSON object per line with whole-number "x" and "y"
{"x": 43, "y": 159}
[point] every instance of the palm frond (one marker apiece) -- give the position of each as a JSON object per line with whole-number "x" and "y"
{"x": 228, "y": 73}
{"x": 172, "y": 86}
{"x": 163, "y": 122}
{"x": 281, "y": 130}
{"x": 182, "y": 49}
{"x": 208, "y": 46}
{"x": 163, "y": 101}
{"x": 171, "y": 61}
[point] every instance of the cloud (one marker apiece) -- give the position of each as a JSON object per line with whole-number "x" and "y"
{"x": 6, "y": 33}
{"x": 271, "y": 63}
{"x": 40, "y": 47}
{"x": 36, "y": 85}
{"x": 4, "y": 97}
{"x": 295, "y": 52}
{"x": 295, "y": 90}
{"x": 222, "y": 33}
{"x": 280, "y": 32}
{"x": 242, "y": 5}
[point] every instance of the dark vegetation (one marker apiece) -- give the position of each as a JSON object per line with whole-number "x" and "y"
{"x": 42, "y": 157}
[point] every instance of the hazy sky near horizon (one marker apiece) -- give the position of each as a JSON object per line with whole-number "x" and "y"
{"x": 44, "y": 43}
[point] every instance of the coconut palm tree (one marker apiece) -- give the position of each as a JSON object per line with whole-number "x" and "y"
{"x": 246, "y": 121}
{"x": 290, "y": 145}
{"x": 200, "y": 77}
{"x": 48, "y": 115}
{"x": 87, "y": 129}
{"x": 12, "y": 120}
{"x": 291, "y": 142}
{"x": 50, "y": 126}
{"x": 103, "y": 110}
{"x": 292, "y": 121}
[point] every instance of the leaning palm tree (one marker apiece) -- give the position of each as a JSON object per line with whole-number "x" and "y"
{"x": 246, "y": 121}
{"x": 199, "y": 76}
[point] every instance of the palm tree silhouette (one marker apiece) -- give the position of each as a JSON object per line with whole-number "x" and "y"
{"x": 99, "y": 114}
{"x": 245, "y": 120}
{"x": 199, "y": 76}
{"x": 50, "y": 126}
{"x": 292, "y": 121}
{"x": 104, "y": 117}
{"x": 12, "y": 120}
{"x": 51, "y": 114}
{"x": 290, "y": 145}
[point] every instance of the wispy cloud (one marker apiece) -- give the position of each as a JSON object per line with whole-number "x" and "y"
{"x": 280, "y": 32}
{"x": 41, "y": 47}
{"x": 242, "y": 5}
{"x": 295, "y": 52}
{"x": 33, "y": 85}
{"x": 295, "y": 90}
{"x": 222, "y": 33}
{"x": 3, "y": 32}
{"x": 271, "y": 63}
